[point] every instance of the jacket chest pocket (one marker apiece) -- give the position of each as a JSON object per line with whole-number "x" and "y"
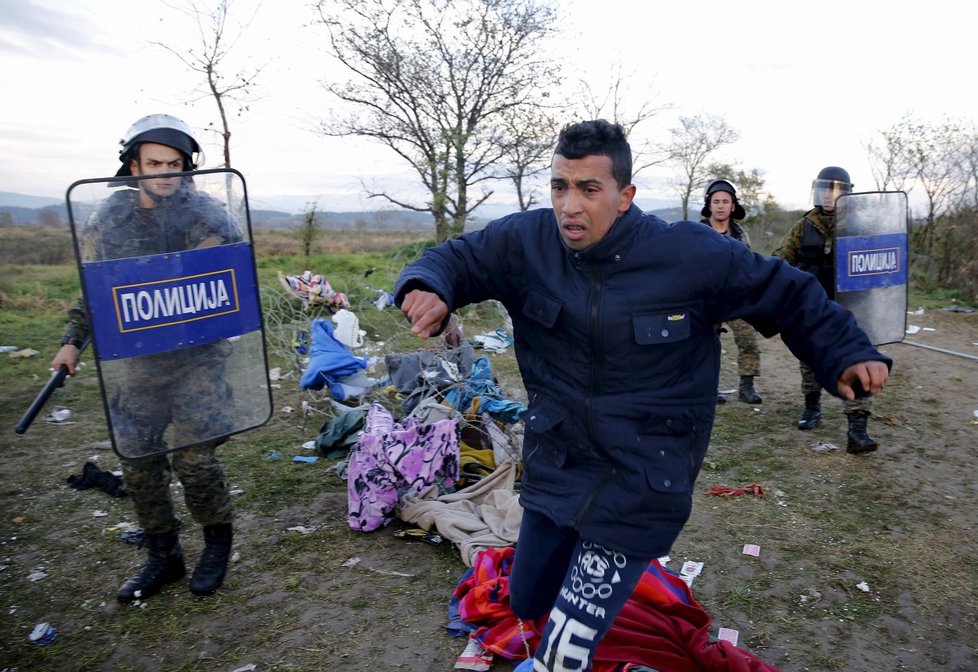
{"x": 667, "y": 326}
{"x": 541, "y": 308}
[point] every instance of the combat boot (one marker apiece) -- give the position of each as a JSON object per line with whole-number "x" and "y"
{"x": 813, "y": 411}
{"x": 748, "y": 393}
{"x": 213, "y": 564}
{"x": 859, "y": 441}
{"x": 164, "y": 565}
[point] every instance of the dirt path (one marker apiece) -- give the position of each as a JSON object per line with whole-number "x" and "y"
{"x": 307, "y": 593}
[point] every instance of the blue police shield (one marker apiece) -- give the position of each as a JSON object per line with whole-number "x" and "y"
{"x": 871, "y": 262}
{"x": 168, "y": 275}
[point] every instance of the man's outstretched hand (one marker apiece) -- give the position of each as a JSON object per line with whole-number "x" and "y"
{"x": 872, "y": 376}
{"x": 426, "y": 312}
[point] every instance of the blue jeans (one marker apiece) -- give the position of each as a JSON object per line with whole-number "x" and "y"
{"x": 581, "y": 584}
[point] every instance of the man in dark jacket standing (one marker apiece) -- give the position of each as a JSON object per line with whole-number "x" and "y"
{"x": 613, "y": 316}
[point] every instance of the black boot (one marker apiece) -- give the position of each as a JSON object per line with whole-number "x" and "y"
{"x": 748, "y": 394}
{"x": 165, "y": 565}
{"x": 213, "y": 563}
{"x": 859, "y": 441}
{"x": 813, "y": 411}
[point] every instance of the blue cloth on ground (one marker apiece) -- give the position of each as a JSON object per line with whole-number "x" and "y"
{"x": 329, "y": 361}
{"x": 482, "y": 386}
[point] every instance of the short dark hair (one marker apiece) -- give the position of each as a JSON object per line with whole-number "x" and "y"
{"x": 598, "y": 138}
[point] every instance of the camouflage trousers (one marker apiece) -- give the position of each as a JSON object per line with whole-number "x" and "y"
{"x": 164, "y": 403}
{"x": 206, "y": 489}
{"x": 809, "y": 385}
{"x": 170, "y": 400}
{"x": 748, "y": 353}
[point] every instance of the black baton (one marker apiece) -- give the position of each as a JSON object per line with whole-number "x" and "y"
{"x": 57, "y": 380}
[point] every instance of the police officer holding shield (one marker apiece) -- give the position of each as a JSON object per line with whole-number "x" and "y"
{"x": 809, "y": 246}
{"x": 183, "y": 389}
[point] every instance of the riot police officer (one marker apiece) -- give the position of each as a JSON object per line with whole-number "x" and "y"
{"x": 186, "y": 387}
{"x": 722, "y": 210}
{"x": 809, "y": 246}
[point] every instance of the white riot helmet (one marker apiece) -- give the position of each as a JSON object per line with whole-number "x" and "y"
{"x": 163, "y": 129}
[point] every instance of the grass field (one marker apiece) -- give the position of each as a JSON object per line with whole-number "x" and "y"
{"x": 902, "y": 520}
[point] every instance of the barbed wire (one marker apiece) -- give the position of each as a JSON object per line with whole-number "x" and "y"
{"x": 288, "y": 324}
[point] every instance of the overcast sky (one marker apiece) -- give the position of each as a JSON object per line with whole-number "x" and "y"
{"x": 805, "y": 84}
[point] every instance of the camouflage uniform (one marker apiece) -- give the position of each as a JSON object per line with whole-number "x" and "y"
{"x": 186, "y": 386}
{"x": 809, "y": 246}
{"x": 748, "y": 352}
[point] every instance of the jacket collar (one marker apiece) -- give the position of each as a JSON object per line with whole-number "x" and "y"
{"x": 615, "y": 242}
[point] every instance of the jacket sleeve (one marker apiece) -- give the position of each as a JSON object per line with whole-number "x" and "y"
{"x": 777, "y": 298}
{"x": 78, "y": 327}
{"x": 465, "y": 270}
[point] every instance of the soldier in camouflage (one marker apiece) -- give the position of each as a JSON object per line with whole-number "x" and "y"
{"x": 809, "y": 246}
{"x": 187, "y": 388}
{"x": 722, "y": 211}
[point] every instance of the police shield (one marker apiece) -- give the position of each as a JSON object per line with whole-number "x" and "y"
{"x": 871, "y": 262}
{"x": 168, "y": 276}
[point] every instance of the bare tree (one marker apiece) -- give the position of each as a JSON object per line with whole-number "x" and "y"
{"x": 209, "y": 59}
{"x": 692, "y": 143}
{"x": 929, "y": 156}
{"x": 530, "y": 134}
{"x": 309, "y": 229}
{"x": 528, "y": 138}
{"x": 969, "y": 167}
{"x": 433, "y": 80}
{"x": 889, "y": 161}
{"x": 615, "y": 104}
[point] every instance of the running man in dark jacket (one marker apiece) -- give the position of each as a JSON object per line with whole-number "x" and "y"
{"x": 613, "y": 317}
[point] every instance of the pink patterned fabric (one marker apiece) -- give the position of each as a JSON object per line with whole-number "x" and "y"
{"x": 392, "y": 458}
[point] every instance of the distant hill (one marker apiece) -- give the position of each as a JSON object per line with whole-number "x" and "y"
{"x": 25, "y": 210}
{"x": 399, "y": 220}
{"x": 24, "y": 201}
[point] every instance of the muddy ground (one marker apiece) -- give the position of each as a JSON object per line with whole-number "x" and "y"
{"x": 307, "y": 593}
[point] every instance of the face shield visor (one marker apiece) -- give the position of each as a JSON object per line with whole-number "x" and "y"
{"x": 826, "y": 192}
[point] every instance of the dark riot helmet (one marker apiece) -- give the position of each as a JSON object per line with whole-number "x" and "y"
{"x": 722, "y": 185}
{"x": 830, "y": 183}
{"x": 163, "y": 129}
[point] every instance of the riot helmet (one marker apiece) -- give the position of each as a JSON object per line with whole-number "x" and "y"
{"x": 831, "y": 183}
{"x": 722, "y": 185}
{"x": 163, "y": 129}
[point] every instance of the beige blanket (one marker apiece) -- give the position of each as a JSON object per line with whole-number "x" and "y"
{"x": 484, "y": 515}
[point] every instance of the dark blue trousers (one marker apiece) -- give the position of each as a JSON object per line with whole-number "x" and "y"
{"x": 582, "y": 585}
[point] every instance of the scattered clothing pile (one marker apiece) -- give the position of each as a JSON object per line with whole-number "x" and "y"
{"x": 314, "y": 291}
{"x": 661, "y": 626}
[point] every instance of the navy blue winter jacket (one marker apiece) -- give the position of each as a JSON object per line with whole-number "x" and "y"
{"x": 619, "y": 357}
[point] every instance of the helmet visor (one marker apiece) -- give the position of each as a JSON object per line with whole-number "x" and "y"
{"x": 826, "y": 192}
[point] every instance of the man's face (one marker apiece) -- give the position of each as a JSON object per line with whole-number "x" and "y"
{"x": 586, "y": 198}
{"x": 721, "y": 206}
{"x": 154, "y": 159}
{"x": 826, "y": 197}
